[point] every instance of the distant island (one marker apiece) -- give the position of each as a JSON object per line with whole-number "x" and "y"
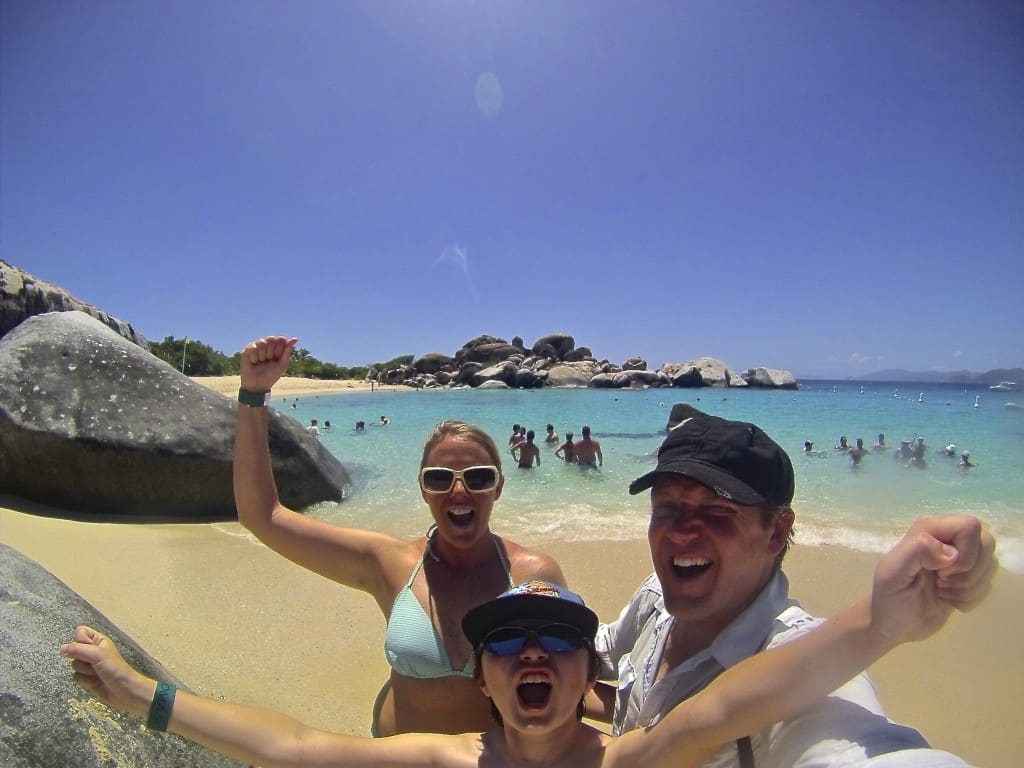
{"x": 987, "y": 378}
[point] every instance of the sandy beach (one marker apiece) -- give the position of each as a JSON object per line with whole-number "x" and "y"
{"x": 237, "y": 621}
{"x": 293, "y": 385}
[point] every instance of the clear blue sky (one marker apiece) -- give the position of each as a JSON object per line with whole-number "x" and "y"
{"x": 832, "y": 188}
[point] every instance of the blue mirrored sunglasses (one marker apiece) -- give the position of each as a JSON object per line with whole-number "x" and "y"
{"x": 552, "y": 638}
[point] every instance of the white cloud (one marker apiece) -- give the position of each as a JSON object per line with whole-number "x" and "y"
{"x": 458, "y": 257}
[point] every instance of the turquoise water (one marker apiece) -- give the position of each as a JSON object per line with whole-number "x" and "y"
{"x": 863, "y": 508}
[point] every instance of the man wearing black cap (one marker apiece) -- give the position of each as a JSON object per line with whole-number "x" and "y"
{"x": 721, "y": 524}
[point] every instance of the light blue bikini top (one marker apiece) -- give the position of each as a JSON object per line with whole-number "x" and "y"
{"x": 412, "y": 645}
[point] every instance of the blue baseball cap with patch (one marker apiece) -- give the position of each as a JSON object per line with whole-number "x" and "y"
{"x": 530, "y": 601}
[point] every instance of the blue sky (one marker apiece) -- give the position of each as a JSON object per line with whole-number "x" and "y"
{"x": 832, "y": 188}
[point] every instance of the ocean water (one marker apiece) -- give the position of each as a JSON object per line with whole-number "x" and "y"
{"x": 864, "y": 508}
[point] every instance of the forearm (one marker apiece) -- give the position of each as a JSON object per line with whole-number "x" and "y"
{"x": 779, "y": 683}
{"x": 252, "y": 473}
{"x": 256, "y": 736}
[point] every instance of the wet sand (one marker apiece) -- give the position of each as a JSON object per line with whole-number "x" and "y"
{"x": 236, "y": 621}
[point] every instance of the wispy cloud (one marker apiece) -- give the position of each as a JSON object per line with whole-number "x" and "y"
{"x": 458, "y": 257}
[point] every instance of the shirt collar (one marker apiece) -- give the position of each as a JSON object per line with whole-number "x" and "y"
{"x": 744, "y": 635}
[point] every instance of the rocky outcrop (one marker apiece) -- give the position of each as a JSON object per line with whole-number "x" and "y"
{"x": 45, "y": 719}
{"x": 575, "y": 374}
{"x": 555, "y": 345}
{"x": 555, "y": 361}
{"x": 23, "y": 296}
{"x": 770, "y": 378}
{"x": 433, "y": 362}
{"x": 95, "y": 424}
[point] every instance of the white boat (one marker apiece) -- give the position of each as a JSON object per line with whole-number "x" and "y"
{"x": 1015, "y": 406}
{"x": 1005, "y": 386}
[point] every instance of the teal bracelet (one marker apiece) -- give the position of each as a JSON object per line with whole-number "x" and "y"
{"x": 253, "y": 399}
{"x": 160, "y": 709}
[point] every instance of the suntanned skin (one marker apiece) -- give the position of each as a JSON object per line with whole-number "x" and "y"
{"x": 588, "y": 451}
{"x": 526, "y": 454}
{"x": 916, "y": 586}
{"x": 468, "y": 572}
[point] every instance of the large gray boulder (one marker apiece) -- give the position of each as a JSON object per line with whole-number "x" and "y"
{"x": 95, "y": 424}
{"x": 22, "y": 296}
{"x": 433, "y": 362}
{"x": 769, "y": 378}
{"x": 573, "y": 374}
{"x": 713, "y": 372}
{"x": 554, "y": 345}
{"x": 46, "y": 721}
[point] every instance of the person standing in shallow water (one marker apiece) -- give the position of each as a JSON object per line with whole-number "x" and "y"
{"x": 588, "y": 450}
{"x": 527, "y": 452}
{"x": 564, "y": 451}
{"x": 423, "y": 587}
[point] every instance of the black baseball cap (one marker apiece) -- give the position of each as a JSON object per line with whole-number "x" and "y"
{"x": 736, "y": 460}
{"x": 531, "y": 600}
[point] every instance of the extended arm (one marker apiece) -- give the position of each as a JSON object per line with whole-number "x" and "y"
{"x": 257, "y": 736}
{"x": 348, "y": 556}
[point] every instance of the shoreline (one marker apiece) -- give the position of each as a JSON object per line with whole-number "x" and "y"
{"x": 295, "y": 385}
{"x": 179, "y": 588}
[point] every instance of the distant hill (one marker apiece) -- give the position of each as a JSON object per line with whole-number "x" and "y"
{"x": 947, "y": 377}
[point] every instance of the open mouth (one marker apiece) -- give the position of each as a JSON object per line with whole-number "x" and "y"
{"x": 461, "y": 516}
{"x": 534, "y": 692}
{"x": 690, "y": 567}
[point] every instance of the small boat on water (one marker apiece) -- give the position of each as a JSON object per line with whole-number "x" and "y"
{"x": 1004, "y": 386}
{"x": 1014, "y": 406}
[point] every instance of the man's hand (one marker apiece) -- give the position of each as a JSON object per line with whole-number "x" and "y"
{"x": 264, "y": 361}
{"x": 941, "y": 563}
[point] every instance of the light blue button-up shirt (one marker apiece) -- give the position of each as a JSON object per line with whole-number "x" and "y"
{"x": 848, "y": 729}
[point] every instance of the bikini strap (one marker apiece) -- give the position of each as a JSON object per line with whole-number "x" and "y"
{"x": 501, "y": 556}
{"x": 427, "y": 550}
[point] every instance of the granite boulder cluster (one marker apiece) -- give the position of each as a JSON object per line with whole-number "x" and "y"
{"x": 489, "y": 362}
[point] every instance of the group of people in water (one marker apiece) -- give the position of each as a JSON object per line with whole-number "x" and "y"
{"x": 585, "y": 452}
{"x": 494, "y": 661}
{"x": 910, "y": 453}
{"x": 360, "y": 426}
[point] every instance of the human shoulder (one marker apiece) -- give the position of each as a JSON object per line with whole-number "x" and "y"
{"x": 526, "y": 564}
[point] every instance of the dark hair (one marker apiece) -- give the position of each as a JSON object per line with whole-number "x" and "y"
{"x": 551, "y": 427}
{"x": 530, "y": 435}
{"x": 768, "y": 515}
{"x": 586, "y": 431}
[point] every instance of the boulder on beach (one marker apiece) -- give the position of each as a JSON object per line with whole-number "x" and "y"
{"x": 94, "y": 424}
{"x": 23, "y": 296}
{"x": 45, "y": 719}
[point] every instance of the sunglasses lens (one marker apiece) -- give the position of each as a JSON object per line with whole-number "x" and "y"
{"x": 507, "y": 641}
{"x": 559, "y": 638}
{"x": 553, "y": 638}
{"x": 480, "y": 478}
{"x": 438, "y": 480}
